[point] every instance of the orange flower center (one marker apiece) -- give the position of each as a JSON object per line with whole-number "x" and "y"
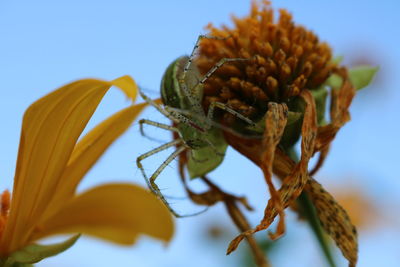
{"x": 283, "y": 59}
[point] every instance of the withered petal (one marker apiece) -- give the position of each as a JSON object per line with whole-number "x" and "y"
{"x": 294, "y": 182}
{"x": 339, "y": 112}
{"x": 275, "y": 123}
{"x": 335, "y": 220}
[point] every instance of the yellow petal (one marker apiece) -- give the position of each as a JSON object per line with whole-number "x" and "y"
{"x": 89, "y": 149}
{"x": 127, "y": 85}
{"x": 115, "y": 212}
{"x": 50, "y": 129}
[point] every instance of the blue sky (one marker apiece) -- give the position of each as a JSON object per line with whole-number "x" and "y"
{"x": 46, "y": 44}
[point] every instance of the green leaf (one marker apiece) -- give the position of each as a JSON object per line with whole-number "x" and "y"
{"x": 361, "y": 76}
{"x": 35, "y": 253}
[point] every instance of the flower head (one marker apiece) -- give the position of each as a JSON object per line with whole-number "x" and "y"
{"x": 281, "y": 80}
{"x": 52, "y": 162}
{"x": 283, "y": 60}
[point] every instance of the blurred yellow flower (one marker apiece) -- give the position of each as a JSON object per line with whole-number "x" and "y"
{"x": 52, "y": 162}
{"x": 360, "y": 206}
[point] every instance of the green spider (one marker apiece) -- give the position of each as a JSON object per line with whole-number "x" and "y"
{"x": 182, "y": 94}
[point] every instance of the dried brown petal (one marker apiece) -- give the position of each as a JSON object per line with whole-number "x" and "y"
{"x": 292, "y": 184}
{"x": 340, "y": 103}
{"x": 335, "y": 220}
{"x": 274, "y": 125}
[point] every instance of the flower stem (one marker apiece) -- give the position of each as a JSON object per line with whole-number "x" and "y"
{"x": 311, "y": 216}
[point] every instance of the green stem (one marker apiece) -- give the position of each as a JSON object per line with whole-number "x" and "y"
{"x": 308, "y": 209}
{"x": 312, "y": 218}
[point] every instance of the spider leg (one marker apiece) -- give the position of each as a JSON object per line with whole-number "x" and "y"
{"x": 170, "y": 113}
{"x": 194, "y": 101}
{"x": 219, "y": 65}
{"x": 157, "y": 125}
{"x": 158, "y": 107}
{"x": 152, "y": 152}
{"x": 206, "y": 122}
{"x": 183, "y": 117}
{"x": 196, "y": 46}
{"x": 151, "y": 181}
{"x": 226, "y": 108}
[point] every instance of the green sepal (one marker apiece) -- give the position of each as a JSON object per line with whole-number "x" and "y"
{"x": 293, "y": 117}
{"x": 320, "y": 96}
{"x": 204, "y": 160}
{"x": 259, "y": 127}
{"x": 362, "y": 76}
{"x": 35, "y": 253}
{"x": 292, "y": 130}
{"x": 334, "y": 81}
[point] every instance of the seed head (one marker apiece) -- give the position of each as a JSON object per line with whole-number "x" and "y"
{"x": 283, "y": 59}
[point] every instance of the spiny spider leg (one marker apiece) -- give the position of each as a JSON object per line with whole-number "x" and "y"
{"x": 152, "y": 152}
{"x": 151, "y": 181}
{"x": 158, "y": 107}
{"x": 210, "y": 122}
{"x": 219, "y": 65}
{"x": 196, "y": 46}
{"x": 155, "y": 124}
{"x": 183, "y": 119}
{"x": 226, "y": 108}
{"x": 204, "y": 79}
{"x": 194, "y": 101}
{"x": 154, "y": 185}
{"x": 170, "y": 113}
{"x": 171, "y": 128}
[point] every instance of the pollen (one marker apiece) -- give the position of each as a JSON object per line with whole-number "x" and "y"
{"x": 282, "y": 60}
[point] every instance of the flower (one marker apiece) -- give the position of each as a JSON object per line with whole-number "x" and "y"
{"x": 52, "y": 162}
{"x": 284, "y": 60}
{"x": 280, "y": 81}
